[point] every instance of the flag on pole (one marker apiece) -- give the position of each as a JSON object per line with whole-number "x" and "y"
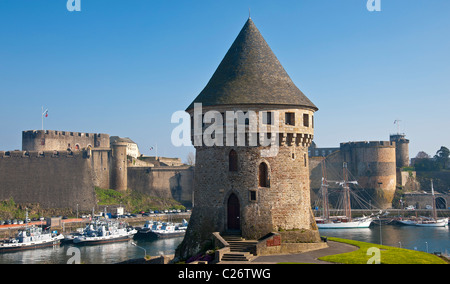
{"x": 44, "y": 114}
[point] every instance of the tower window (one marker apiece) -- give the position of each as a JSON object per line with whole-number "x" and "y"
{"x": 289, "y": 118}
{"x": 306, "y": 120}
{"x": 252, "y": 195}
{"x": 263, "y": 175}
{"x": 267, "y": 118}
{"x": 233, "y": 161}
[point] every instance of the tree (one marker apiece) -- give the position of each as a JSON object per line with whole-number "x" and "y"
{"x": 442, "y": 156}
{"x": 422, "y": 155}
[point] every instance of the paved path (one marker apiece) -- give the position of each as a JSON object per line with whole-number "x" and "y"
{"x": 307, "y": 257}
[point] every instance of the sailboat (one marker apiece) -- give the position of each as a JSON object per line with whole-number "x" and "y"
{"x": 340, "y": 222}
{"x": 433, "y": 222}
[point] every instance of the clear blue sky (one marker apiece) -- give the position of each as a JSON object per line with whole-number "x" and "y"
{"x": 123, "y": 67}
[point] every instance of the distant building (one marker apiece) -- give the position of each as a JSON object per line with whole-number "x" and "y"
{"x": 132, "y": 147}
{"x": 314, "y": 151}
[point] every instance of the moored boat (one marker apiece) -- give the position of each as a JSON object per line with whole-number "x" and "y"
{"x": 344, "y": 223}
{"x": 104, "y": 231}
{"x": 149, "y": 226}
{"x": 169, "y": 230}
{"x": 31, "y": 237}
{"x": 340, "y": 222}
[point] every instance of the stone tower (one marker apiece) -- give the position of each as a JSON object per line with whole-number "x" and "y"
{"x": 401, "y": 149}
{"x": 373, "y": 164}
{"x": 241, "y": 185}
{"x": 119, "y": 170}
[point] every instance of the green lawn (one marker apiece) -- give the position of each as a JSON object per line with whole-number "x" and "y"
{"x": 387, "y": 255}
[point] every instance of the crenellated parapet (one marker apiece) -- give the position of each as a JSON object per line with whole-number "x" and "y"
{"x": 43, "y": 154}
{"x": 367, "y": 144}
{"x": 247, "y": 125}
{"x": 42, "y": 140}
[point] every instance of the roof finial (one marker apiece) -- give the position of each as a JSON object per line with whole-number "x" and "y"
{"x": 249, "y": 13}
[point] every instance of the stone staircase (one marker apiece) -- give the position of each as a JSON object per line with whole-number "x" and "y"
{"x": 240, "y": 249}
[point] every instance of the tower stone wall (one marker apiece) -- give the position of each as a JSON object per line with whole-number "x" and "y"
{"x": 242, "y": 183}
{"x": 401, "y": 150}
{"x": 119, "y": 170}
{"x": 374, "y": 165}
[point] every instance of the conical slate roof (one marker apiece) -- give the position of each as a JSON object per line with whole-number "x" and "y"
{"x": 250, "y": 73}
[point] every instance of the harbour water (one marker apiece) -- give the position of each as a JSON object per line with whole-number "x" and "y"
{"x": 94, "y": 254}
{"x": 410, "y": 237}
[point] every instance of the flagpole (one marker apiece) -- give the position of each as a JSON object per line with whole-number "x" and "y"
{"x": 42, "y": 117}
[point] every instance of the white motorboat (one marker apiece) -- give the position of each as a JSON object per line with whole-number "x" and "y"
{"x": 30, "y": 238}
{"x": 169, "y": 230}
{"x": 149, "y": 226}
{"x": 102, "y": 231}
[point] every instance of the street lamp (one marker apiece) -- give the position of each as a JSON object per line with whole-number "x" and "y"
{"x": 145, "y": 251}
{"x": 381, "y": 237}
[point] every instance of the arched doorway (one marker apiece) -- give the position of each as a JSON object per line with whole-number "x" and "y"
{"x": 440, "y": 203}
{"x": 233, "y": 213}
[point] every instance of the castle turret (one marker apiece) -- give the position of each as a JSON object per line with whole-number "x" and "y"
{"x": 119, "y": 166}
{"x": 242, "y": 183}
{"x": 401, "y": 149}
{"x": 373, "y": 164}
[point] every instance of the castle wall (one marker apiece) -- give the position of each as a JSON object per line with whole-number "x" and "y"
{"x": 49, "y": 140}
{"x": 53, "y": 179}
{"x": 164, "y": 182}
{"x": 101, "y": 166}
{"x": 372, "y": 164}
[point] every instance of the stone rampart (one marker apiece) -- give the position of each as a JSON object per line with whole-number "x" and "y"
{"x": 45, "y": 140}
{"x": 165, "y": 182}
{"x": 55, "y": 179}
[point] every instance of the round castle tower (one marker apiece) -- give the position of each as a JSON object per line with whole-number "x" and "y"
{"x": 373, "y": 163}
{"x": 401, "y": 149}
{"x": 241, "y": 183}
{"x": 119, "y": 170}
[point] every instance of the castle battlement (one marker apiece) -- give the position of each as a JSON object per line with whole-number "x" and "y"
{"x": 43, "y": 154}
{"x": 361, "y": 144}
{"x": 46, "y": 140}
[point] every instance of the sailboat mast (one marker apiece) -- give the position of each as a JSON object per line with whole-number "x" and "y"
{"x": 347, "y": 205}
{"x": 434, "y": 201}
{"x": 324, "y": 187}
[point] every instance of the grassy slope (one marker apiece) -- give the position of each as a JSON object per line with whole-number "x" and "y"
{"x": 389, "y": 255}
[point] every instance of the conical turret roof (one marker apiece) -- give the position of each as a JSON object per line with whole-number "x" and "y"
{"x": 251, "y": 74}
